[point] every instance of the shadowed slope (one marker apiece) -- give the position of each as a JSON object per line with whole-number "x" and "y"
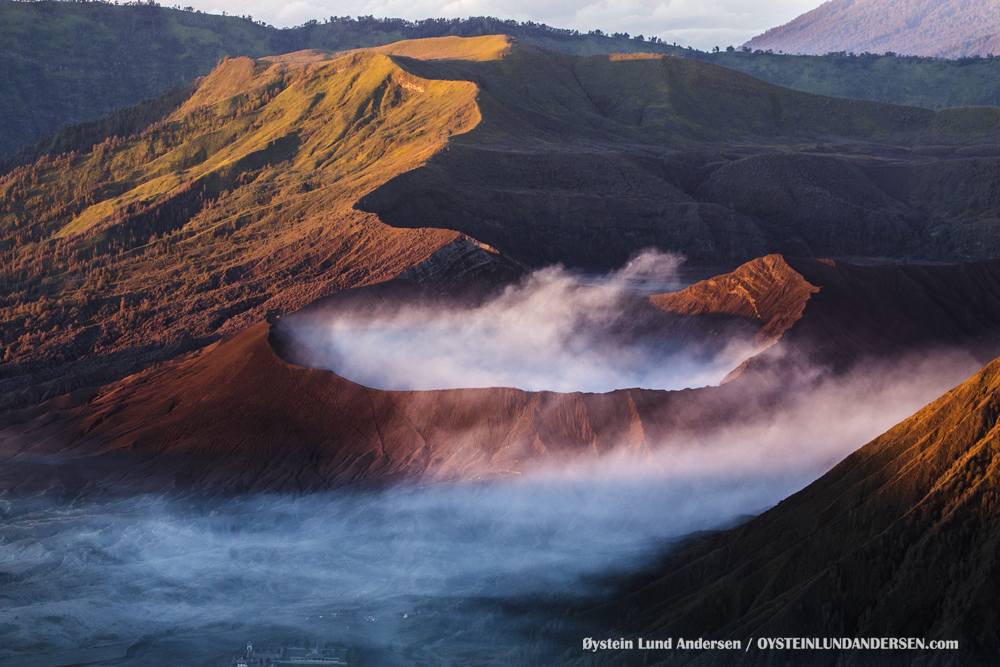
{"x": 879, "y": 312}
{"x": 900, "y": 539}
{"x": 585, "y": 160}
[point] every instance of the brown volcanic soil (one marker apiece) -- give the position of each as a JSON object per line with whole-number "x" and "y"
{"x": 269, "y": 184}
{"x": 238, "y": 417}
{"x": 234, "y": 202}
{"x": 767, "y": 290}
{"x": 898, "y": 540}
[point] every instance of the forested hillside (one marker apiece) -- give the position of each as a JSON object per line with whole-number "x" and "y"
{"x": 68, "y": 62}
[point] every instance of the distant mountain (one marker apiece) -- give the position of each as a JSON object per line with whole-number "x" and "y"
{"x": 68, "y": 62}
{"x": 942, "y": 28}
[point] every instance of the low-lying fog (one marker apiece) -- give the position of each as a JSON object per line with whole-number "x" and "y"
{"x": 459, "y": 574}
{"x": 556, "y": 330}
{"x": 409, "y": 575}
{"x": 447, "y": 574}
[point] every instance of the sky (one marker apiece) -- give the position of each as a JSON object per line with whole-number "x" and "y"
{"x": 702, "y": 24}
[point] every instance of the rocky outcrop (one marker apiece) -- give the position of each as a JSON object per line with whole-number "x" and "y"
{"x": 766, "y": 290}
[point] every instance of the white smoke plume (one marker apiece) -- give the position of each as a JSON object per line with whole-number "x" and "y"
{"x": 461, "y": 567}
{"x": 557, "y": 330}
{"x": 466, "y": 573}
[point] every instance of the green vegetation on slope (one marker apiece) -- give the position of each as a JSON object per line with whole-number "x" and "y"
{"x": 65, "y": 62}
{"x": 68, "y": 62}
{"x": 921, "y": 82}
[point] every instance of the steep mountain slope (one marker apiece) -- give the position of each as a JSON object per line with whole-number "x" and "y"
{"x": 900, "y": 539}
{"x": 238, "y": 416}
{"x": 266, "y": 185}
{"x": 234, "y": 205}
{"x": 584, "y": 160}
{"x": 877, "y": 312}
{"x": 945, "y": 28}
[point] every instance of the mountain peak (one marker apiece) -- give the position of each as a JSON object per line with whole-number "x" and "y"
{"x": 940, "y": 28}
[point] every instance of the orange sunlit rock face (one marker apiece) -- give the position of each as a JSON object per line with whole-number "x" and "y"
{"x": 767, "y": 290}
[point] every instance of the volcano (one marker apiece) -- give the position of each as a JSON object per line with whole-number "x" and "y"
{"x": 239, "y": 416}
{"x": 271, "y": 183}
{"x": 937, "y": 28}
{"x": 160, "y": 268}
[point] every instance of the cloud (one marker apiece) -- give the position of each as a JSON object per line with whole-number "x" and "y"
{"x": 297, "y": 13}
{"x": 698, "y": 23}
{"x": 815, "y": 421}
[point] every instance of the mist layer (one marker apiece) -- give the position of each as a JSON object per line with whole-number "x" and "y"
{"x": 369, "y": 570}
{"x": 556, "y": 330}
